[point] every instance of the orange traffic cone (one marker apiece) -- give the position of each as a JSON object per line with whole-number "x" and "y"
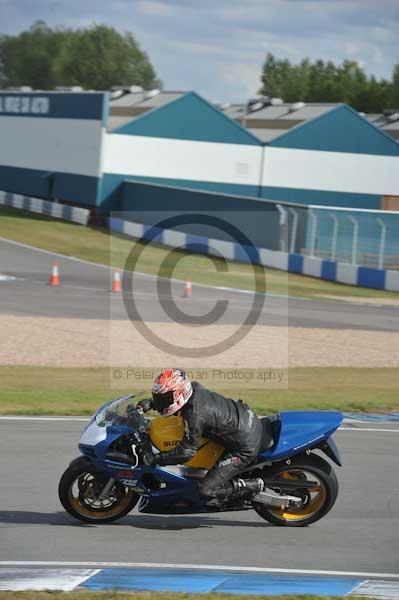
{"x": 55, "y": 276}
{"x": 188, "y": 288}
{"x": 116, "y": 282}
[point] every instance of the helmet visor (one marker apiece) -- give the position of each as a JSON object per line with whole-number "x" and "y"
{"x": 162, "y": 401}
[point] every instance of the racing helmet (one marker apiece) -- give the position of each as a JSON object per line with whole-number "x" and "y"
{"x": 170, "y": 391}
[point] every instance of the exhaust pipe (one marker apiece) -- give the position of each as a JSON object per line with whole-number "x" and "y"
{"x": 277, "y": 500}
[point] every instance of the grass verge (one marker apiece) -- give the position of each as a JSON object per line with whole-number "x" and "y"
{"x": 93, "y": 244}
{"x": 79, "y": 391}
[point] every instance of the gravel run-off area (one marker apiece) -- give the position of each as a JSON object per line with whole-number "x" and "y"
{"x": 69, "y": 342}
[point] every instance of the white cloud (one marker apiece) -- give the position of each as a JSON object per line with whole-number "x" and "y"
{"x": 198, "y": 48}
{"x": 242, "y": 79}
{"x": 283, "y": 12}
{"x": 377, "y": 56}
{"x": 218, "y": 47}
{"x": 155, "y": 8}
{"x": 384, "y": 34}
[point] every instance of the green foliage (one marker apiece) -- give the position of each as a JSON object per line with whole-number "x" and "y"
{"x": 326, "y": 82}
{"x": 28, "y": 390}
{"x": 97, "y": 58}
{"x": 27, "y": 59}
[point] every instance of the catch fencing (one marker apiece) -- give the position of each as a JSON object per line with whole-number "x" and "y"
{"x": 367, "y": 238}
{"x": 286, "y": 261}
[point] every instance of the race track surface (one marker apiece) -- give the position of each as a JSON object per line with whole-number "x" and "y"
{"x": 360, "y": 533}
{"x": 84, "y": 293}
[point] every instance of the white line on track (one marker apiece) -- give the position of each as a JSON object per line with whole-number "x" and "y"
{"x": 73, "y": 258}
{"x": 86, "y": 419}
{"x": 23, "y": 418}
{"x": 148, "y": 276}
{"x": 100, "y": 565}
{"x": 7, "y": 277}
{"x": 368, "y": 429}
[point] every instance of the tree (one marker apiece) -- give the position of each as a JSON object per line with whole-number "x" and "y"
{"x": 274, "y": 76}
{"x": 27, "y": 58}
{"x": 2, "y": 74}
{"x": 100, "y": 57}
{"x": 327, "y": 82}
{"x": 394, "y": 91}
{"x": 95, "y": 58}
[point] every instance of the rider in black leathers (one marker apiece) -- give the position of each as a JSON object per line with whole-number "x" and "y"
{"x": 230, "y": 423}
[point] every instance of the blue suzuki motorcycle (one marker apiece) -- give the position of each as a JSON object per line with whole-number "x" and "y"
{"x": 113, "y": 473}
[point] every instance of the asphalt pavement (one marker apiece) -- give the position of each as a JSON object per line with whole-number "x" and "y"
{"x": 84, "y": 293}
{"x": 359, "y": 534}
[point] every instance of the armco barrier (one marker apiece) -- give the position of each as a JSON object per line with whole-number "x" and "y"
{"x": 51, "y": 209}
{"x": 294, "y": 263}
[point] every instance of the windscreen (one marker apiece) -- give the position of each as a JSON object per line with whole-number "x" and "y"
{"x": 121, "y": 412}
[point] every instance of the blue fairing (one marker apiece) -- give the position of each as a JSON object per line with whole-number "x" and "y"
{"x": 301, "y": 430}
{"x": 174, "y": 493}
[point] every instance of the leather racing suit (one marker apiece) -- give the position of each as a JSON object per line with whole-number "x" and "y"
{"x": 230, "y": 423}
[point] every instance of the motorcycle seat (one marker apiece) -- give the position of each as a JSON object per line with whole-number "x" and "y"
{"x": 270, "y": 431}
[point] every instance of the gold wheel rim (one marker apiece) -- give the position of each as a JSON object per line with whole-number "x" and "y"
{"x": 94, "y": 514}
{"x": 318, "y": 496}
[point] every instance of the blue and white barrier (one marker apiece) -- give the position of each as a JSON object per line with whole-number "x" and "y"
{"x": 381, "y": 279}
{"x": 197, "y": 579}
{"x": 51, "y": 209}
{"x": 392, "y": 417}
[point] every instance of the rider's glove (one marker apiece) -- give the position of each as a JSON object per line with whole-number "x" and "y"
{"x": 144, "y": 405}
{"x": 149, "y": 459}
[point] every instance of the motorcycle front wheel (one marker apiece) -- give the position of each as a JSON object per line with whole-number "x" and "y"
{"x": 80, "y": 491}
{"x": 315, "y": 503}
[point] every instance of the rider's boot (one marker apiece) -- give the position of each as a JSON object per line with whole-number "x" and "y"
{"x": 236, "y": 489}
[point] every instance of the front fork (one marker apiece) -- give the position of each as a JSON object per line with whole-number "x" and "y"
{"x": 106, "y": 490}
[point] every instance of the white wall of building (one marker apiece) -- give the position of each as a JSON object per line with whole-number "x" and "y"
{"x": 141, "y": 156}
{"x": 49, "y": 144}
{"x": 331, "y": 171}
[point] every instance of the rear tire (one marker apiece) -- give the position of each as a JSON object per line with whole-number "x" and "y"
{"x": 314, "y": 506}
{"x": 78, "y": 488}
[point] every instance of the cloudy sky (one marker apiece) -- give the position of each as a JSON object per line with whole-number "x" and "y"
{"x": 217, "y": 47}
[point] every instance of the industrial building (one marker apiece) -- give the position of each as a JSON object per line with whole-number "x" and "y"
{"x": 84, "y": 148}
{"x": 317, "y": 179}
{"x": 50, "y": 144}
{"x": 388, "y": 122}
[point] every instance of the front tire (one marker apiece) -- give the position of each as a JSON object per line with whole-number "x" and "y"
{"x": 80, "y": 487}
{"x": 316, "y": 503}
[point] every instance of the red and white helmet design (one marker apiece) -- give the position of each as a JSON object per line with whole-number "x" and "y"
{"x": 170, "y": 391}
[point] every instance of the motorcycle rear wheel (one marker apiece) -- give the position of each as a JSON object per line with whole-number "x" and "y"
{"x": 81, "y": 484}
{"x": 316, "y": 503}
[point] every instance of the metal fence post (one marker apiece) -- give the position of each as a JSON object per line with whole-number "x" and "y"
{"x": 313, "y": 233}
{"x": 294, "y": 229}
{"x": 282, "y": 221}
{"x": 375, "y": 244}
{"x": 355, "y": 238}
{"x": 382, "y": 242}
{"x": 334, "y": 236}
